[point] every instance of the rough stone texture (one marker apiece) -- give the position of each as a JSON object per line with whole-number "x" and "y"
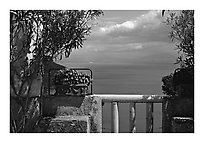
{"x": 76, "y": 106}
{"x": 69, "y": 124}
{"x": 182, "y": 125}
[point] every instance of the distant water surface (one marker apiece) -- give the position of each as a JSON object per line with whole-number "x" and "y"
{"x": 128, "y": 79}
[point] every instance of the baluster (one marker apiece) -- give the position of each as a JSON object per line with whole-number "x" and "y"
{"x": 115, "y": 117}
{"x": 132, "y": 125}
{"x": 166, "y": 121}
{"x": 149, "y": 117}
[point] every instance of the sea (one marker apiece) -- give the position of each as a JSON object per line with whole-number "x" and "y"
{"x": 128, "y": 79}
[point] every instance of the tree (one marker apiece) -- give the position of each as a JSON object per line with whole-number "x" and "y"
{"x": 182, "y": 26}
{"x": 43, "y": 35}
{"x": 182, "y": 33}
{"x": 180, "y": 83}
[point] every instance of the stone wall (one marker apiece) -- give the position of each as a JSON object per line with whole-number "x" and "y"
{"x": 75, "y": 106}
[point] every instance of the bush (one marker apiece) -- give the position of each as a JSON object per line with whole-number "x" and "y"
{"x": 71, "y": 82}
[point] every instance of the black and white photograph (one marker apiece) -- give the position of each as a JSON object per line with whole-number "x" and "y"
{"x": 101, "y": 71}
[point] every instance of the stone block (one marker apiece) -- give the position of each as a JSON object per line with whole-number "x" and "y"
{"x": 69, "y": 124}
{"x": 182, "y": 125}
{"x": 76, "y": 106}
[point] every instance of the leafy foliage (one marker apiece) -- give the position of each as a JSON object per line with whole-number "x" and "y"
{"x": 71, "y": 77}
{"x": 52, "y": 32}
{"x": 167, "y": 86}
{"x": 42, "y": 34}
{"x": 71, "y": 82}
{"x": 182, "y": 25}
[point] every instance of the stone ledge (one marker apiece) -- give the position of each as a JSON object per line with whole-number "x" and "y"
{"x": 182, "y": 125}
{"x": 69, "y": 124}
{"x": 75, "y": 106}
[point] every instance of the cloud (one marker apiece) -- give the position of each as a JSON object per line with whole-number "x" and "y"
{"x": 125, "y": 25}
{"x": 128, "y": 47}
{"x": 120, "y": 44}
{"x": 152, "y": 52}
{"x": 144, "y": 28}
{"x": 129, "y": 39}
{"x": 148, "y": 20}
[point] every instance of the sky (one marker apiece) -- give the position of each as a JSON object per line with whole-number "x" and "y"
{"x": 127, "y": 36}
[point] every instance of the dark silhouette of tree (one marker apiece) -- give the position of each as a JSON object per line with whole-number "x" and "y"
{"x": 167, "y": 86}
{"x": 180, "y": 83}
{"x": 182, "y": 33}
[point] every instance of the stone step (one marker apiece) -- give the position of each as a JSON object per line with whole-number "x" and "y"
{"x": 69, "y": 124}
